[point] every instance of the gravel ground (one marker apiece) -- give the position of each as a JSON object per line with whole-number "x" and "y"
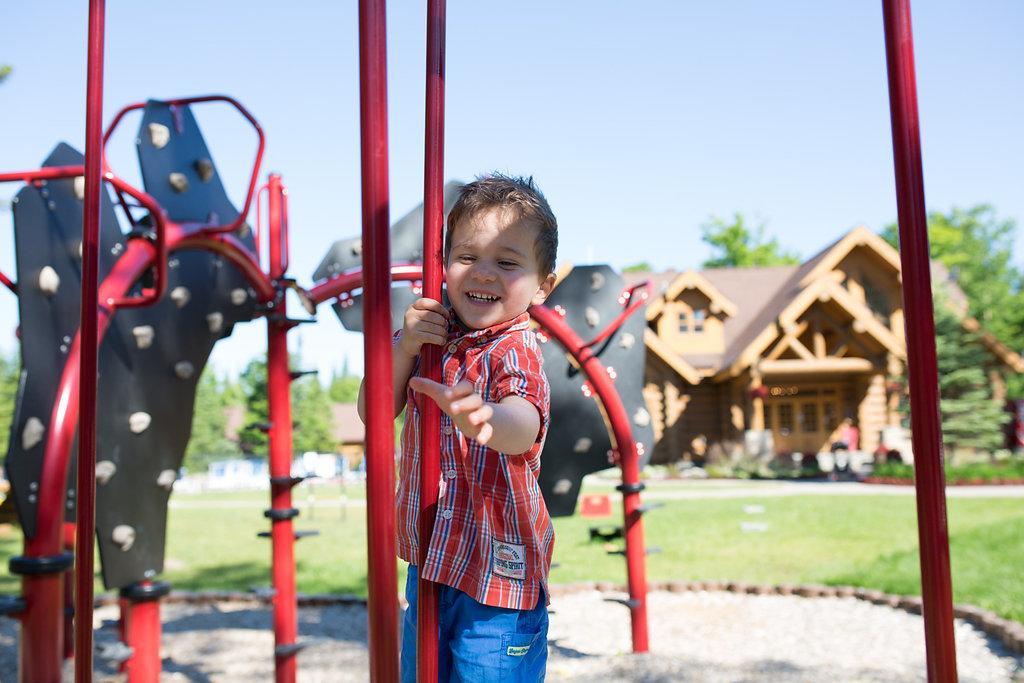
{"x": 699, "y": 636}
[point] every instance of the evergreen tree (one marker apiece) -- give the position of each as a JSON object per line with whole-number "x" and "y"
{"x": 970, "y": 419}
{"x": 977, "y": 248}
{"x": 209, "y": 422}
{"x": 311, "y": 412}
{"x": 9, "y": 374}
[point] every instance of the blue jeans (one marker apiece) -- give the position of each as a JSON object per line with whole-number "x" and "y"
{"x": 478, "y": 642}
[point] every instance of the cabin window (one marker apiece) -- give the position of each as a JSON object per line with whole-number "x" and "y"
{"x": 785, "y": 418}
{"x": 692, "y": 322}
{"x": 877, "y": 301}
{"x": 809, "y": 417}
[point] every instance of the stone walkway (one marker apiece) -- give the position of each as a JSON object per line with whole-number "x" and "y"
{"x": 696, "y": 636}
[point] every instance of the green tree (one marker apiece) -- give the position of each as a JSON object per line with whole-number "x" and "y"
{"x": 970, "y": 419}
{"x": 311, "y": 412}
{"x": 253, "y": 385}
{"x": 736, "y": 244}
{"x": 976, "y": 245}
{"x": 9, "y": 374}
{"x": 344, "y": 388}
{"x": 209, "y": 422}
{"x": 642, "y": 267}
{"x": 5, "y": 71}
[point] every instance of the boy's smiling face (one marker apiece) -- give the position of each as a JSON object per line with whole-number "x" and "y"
{"x": 493, "y": 274}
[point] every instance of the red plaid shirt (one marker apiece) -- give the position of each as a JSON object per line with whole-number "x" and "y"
{"x": 492, "y": 534}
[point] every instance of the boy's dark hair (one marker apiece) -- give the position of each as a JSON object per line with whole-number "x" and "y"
{"x": 517, "y": 195}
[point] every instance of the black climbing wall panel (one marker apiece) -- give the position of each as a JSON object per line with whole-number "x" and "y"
{"x": 578, "y": 441}
{"x": 406, "y": 247}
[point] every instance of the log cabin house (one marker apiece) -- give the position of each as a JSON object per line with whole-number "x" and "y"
{"x": 736, "y": 354}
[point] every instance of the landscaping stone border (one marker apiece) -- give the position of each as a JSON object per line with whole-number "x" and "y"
{"x": 1010, "y": 633}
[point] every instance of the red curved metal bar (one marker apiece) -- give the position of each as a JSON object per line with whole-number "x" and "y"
{"x": 39, "y": 646}
{"x": 629, "y": 461}
{"x": 8, "y": 283}
{"x": 184, "y": 101}
{"x": 343, "y": 283}
{"x": 922, "y": 369}
{"x": 284, "y": 238}
{"x": 430, "y": 355}
{"x": 629, "y": 308}
{"x": 150, "y": 296}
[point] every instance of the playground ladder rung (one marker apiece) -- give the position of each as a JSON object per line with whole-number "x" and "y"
{"x": 11, "y": 605}
{"x": 631, "y": 603}
{"x": 290, "y": 322}
{"x": 289, "y": 649}
{"x": 295, "y": 374}
{"x": 302, "y": 533}
{"x": 622, "y": 551}
{"x": 647, "y": 507}
{"x": 289, "y": 481}
{"x": 281, "y": 514}
{"x": 605, "y": 533}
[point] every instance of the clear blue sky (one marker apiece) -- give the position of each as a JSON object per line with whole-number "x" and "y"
{"x": 639, "y": 120}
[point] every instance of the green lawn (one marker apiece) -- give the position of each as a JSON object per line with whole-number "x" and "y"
{"x": 868, "y": 541}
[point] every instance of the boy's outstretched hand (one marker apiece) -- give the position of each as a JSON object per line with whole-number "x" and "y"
{"x": 460, "y": 402}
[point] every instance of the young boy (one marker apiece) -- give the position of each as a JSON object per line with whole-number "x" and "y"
{"x": 491, "y": 547}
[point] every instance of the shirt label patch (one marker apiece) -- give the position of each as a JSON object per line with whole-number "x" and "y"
{"x": 517, "y": 651}
{"x": 508, "y": 559}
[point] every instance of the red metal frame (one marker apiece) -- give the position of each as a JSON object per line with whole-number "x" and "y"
{"x": 40, "y": 650}
{"x": 629, "y": 460}
{"x": 184, "y": 101}
{"x": 433, "y": 273}
{"x": 282, "y": 534}
{"x": 8, "y": 283}
{"x": 89, "y": 358}
{"x": 922, "y": 369}
{"x": 140, "y": 629}
{"x": 382, "y": 571}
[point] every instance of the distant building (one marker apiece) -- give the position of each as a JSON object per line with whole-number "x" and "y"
{"x": 781, "y": 355}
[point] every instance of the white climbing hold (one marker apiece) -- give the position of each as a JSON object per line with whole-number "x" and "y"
{"x": 562, "y": 486}
{"x": 596, "y": 280}
{"x": 357, "y": 248}
{"x": 159, "y": 135}
{"x": 215, "y": 321}
{"x": 143, "y": 336}
{"x": 184, "y": 369}
{"x": 32, "y": 433}
{"x": 627, "y": 340}
{"x": 49, "y": 281}
{"x": 124, "y": 536}
{"x": 105, "y": 469}
{"x": 79, "y": 186}
{"x": 592, "y": 316}
{"x": 180, "y": 296}
{"x": 641, "y": 418}
{"x": 166, "y": 479}
{"x": 138, "y": 422}
{"x": 583, "y": 444}
{"x": 178, "y": 182}
{"x": 238, "y": 296}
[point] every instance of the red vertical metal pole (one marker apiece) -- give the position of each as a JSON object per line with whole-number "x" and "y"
{"x": 430, "y": 427}
{"x": 140, "y": 629}
{"x": 69, "y": 594}
{"x": 929, "y": 478}
{"x": 86, "y": 486}
{"x": 382, "y": 572}
{"x": 280, "y": 415}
